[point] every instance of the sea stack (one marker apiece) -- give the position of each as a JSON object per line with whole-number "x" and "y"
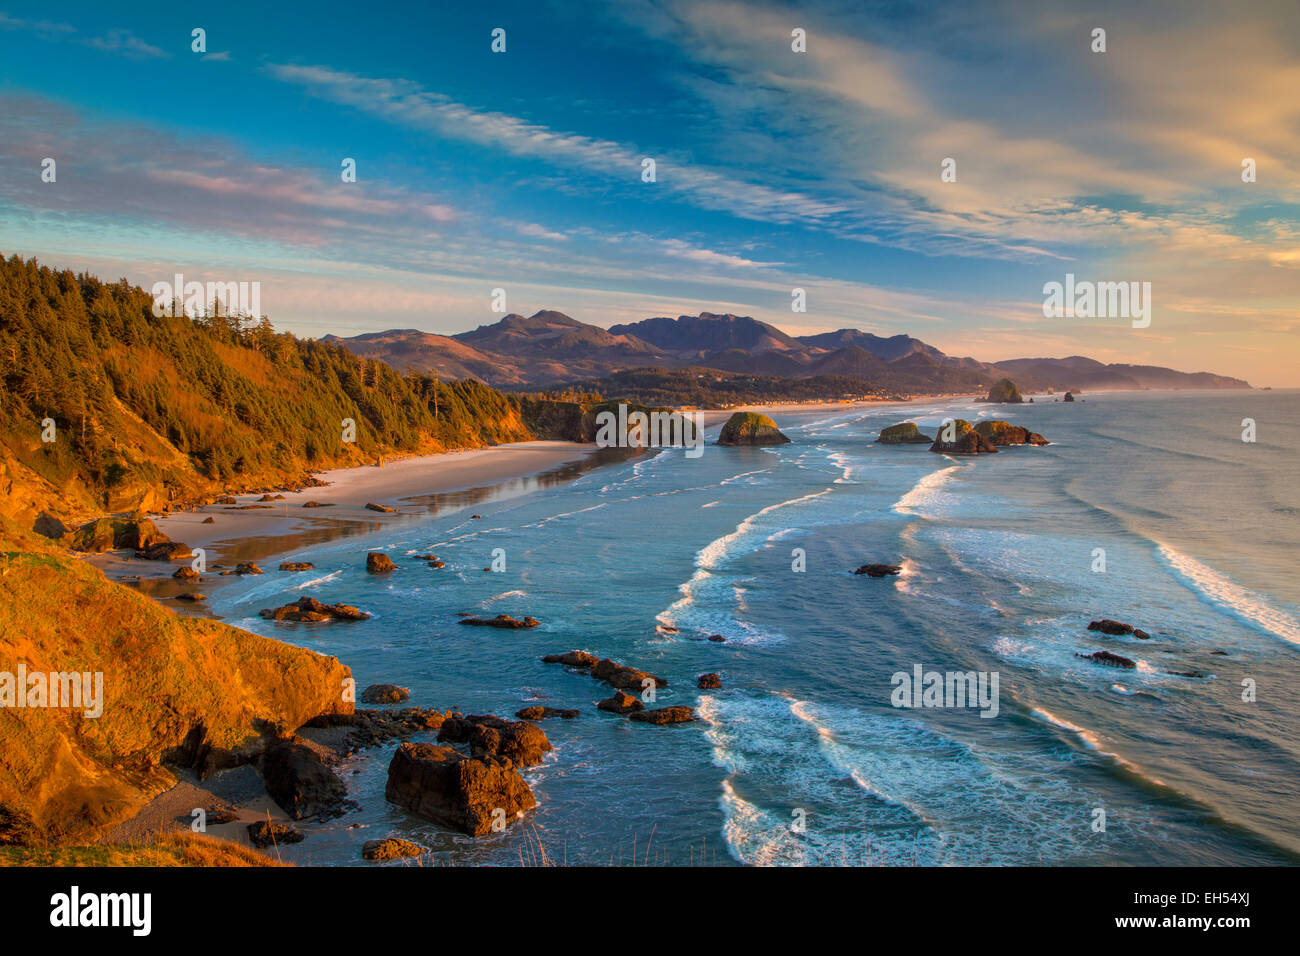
{"x": 965, "y": 440}
{"x": 905, "y": 433}
{"x": 751, "y": 428}
{"x": 1004, "y": 392}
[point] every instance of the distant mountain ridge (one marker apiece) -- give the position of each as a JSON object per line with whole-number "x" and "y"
{"x": 550, "y": 348}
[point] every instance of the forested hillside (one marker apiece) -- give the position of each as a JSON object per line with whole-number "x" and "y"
{"x": 147, "y": 409}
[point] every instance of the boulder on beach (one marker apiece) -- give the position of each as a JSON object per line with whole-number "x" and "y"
{"x": 299, "y": 781}
{"x": 1109, "y": 659}
{"x": 751, "y": 428}
{"x": 904, "y": 433}
{"x": 247, "y": 567}
{"x": 666, "y": 715}
{"x": 501, "y": 620}
{"x": 140, "y": 534}
{"x": 379, "y": 563}
{"x": 372, "y": 506}
{"x": 225, "y": 500}
{"x": 959, "y": 438}
{"x": 270, "y": 497}
{"x": 1118, "y": 628}
{"x": 709, "y": 682}
{"x": 621, "y": 703}
{"x": 263, "y": 833}
{"x": 296, "y": 566}
{"x": 464, "y": 793}
{"x": 1004, "y": 433}
{"x": 192, "y": 596}
{"x": 542, "y": 713}
{"x": 878, "y": 570}
{"x": 95, "y": 536}
{"x": 390, "y": 848}
{"x": 384, "y": 694}
{"x": 518, "y": 741}
{"x": 166, "y": 551}
{"x": 208, "y": 520}
{"x": 1004, "y": 391}
{"x": 185, "y": 573}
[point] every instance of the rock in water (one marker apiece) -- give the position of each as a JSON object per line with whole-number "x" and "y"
{"x": 389, "y": 849}
{"x": 620, "y": 703}
{"x": 384, "y": 694}
{"x": 1118, "y": 628}
{"x": 384, "y": 509}
{"x": 966, "y": 440}
{"x": 542, "y": 713}
{"x": 905, "y": 433}
{"x": 461, "y": 792}
{"x": 501, "y": 620}
{"x": 1069, "y": 397}
{"x": 1109, "y": 659}
{"x": 1004, "y": 391}
{"x": 878, "y": 570}
{"x": 518, "y": 741}
{"x": 666, "y": 715}
{"x": 709, "y": 682}
{"x": 751, "y": 428}
{"x": 1004, "y": 433}
{"x": 378, "y": 563}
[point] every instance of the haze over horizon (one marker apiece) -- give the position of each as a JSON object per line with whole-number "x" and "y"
{"x": 775, "y": 170}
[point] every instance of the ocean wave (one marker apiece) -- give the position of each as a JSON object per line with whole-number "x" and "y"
{"x": 925, "y": 492}
{"x": 1218, "y": 590}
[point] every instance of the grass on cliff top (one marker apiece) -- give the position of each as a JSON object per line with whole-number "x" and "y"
{"x": 172, "y": 849}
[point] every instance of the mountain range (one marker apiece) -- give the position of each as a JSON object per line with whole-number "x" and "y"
{"x": 550, "y": 349}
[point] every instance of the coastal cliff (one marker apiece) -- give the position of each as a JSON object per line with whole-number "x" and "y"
{"x": 175, "y": 690}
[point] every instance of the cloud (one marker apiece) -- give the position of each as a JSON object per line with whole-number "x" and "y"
{"x": 119, "y": 41}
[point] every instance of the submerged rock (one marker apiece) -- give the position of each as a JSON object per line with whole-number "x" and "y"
{"x": 878, "y": 570}
{"x": 751, "y": 428}
{"x": 501, "y": 620}
{"x": 443, "y": 785}
{"x": 1118, "y": 628}
{"x": 1109, "y": 659}
{"x": 905, "y": 433}
{"x": 666, "y": 715}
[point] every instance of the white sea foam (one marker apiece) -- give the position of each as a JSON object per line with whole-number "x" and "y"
{"x": 925, "y": 492}
{"x": 1215, "y": 588}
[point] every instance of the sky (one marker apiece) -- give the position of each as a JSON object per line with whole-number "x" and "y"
{"x": 774, "y": 169}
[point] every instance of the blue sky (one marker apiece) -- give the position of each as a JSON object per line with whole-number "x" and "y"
{"x": 775, "y": 169}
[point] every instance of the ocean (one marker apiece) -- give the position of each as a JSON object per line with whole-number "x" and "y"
{"x": 1190, "y": 758}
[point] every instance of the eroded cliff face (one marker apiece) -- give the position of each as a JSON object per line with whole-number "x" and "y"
{"x": 172, "y": 690}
